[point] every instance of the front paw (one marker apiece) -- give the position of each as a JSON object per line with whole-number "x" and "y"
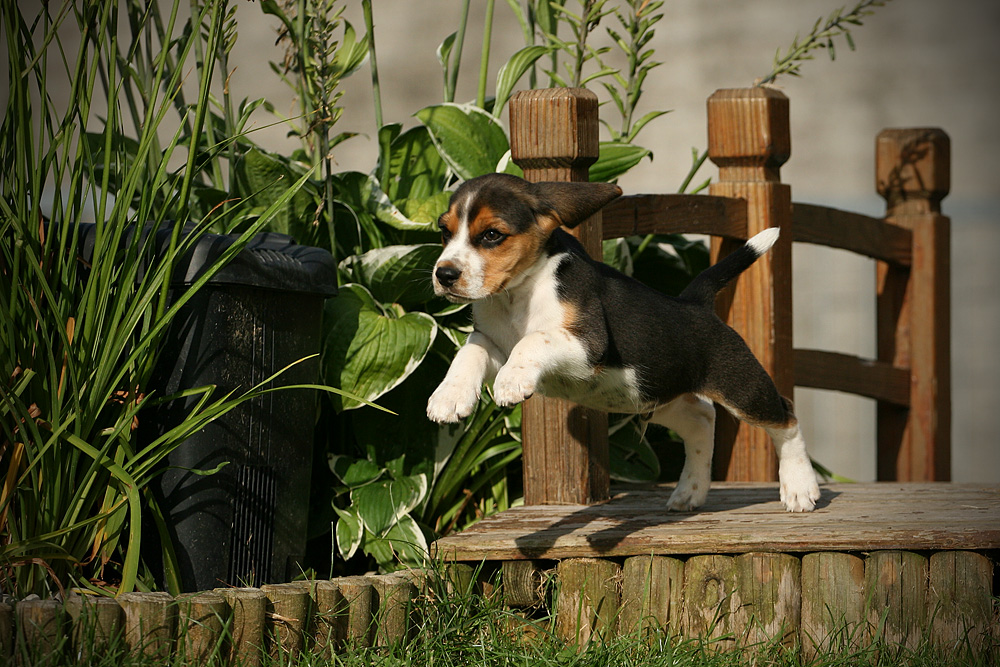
{"x": 451, "y": 402}
{"x": 688, "y": 495}
{"x": 513, "y": 385}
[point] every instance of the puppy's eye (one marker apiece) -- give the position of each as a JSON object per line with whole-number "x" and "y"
{"x": 445, "y": 233}
{"x": 492, "y": 237}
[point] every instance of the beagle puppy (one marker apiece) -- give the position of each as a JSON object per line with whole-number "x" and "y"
{"x": 549, "y": 319}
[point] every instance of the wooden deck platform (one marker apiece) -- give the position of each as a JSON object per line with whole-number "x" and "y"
{"x": 742, "y": 518}
{"x": 900, "y": 563}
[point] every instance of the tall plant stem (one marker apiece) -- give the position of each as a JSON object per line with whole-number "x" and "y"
{"x": 383, "y": 139}
{"x": 484, "y": 62}
{"x": 581, "y": 45}
{"x": 456, "y": 57}
{"x": 366, "y": 5}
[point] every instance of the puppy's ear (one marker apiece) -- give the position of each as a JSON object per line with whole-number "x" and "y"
{"x": 572, "y": 203}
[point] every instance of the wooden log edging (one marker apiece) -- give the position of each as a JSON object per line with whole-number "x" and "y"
{"x": 818, "y": 601}
{"x": 234, "y": 625}
{"x": 821, "y": 601}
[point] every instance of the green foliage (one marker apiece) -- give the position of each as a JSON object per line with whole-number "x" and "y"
{"x": 80, "y": 339}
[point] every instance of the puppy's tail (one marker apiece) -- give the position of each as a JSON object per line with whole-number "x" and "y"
{"x": 708, "y": 283}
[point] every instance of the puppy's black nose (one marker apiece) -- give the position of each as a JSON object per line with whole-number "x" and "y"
{"x": 447, "y": 275}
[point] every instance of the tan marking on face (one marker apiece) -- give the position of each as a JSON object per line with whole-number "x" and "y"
{"x": 485, "y": 219}
{"x": 549, "y": 223}
{"x": 514, "y": 255}
{"x": 450, "y": 221}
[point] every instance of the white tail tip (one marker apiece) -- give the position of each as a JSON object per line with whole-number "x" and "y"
{"x": 762, "y": 242}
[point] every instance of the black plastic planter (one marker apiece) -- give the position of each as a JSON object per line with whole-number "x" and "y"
{"x": 245, "y": 524}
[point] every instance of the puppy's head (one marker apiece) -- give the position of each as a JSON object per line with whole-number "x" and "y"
{"x": 496, "y": 227}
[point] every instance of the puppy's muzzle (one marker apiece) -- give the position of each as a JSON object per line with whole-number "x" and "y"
{"x": 447, "y": 275}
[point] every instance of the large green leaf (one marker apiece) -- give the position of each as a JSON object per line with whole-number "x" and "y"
{"x": 403, "y": 543}
{"x": 616, "y": 159}
{"x": 416, "y": 168}
{"x": 383, "y": 503}
{"x": 470, "y": 140}
{"x": 512, "y": 71}
{"x": 426, "y": 210}
{"x": 368, "y": 351}
{"x": 263, "y": 177}
{"x": 349, "y": 531}
{"x": 395, "y": 274}
{"x": 390, "y": 214}
{"x": 354, "y": 472}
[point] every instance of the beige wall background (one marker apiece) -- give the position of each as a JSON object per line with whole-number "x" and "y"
{"x": 917, "y": 63}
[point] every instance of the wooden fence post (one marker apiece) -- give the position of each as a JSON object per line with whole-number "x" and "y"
{"x": 247, "y": 613}
{"x": 749, "y": 140}
{"x": 150, "y": 623}
{"x": 554, "y": 137}
{"x": 97, "y": 624}
{"x": 589, "y": 599}
{"x": 652, "y": 595}
{"x": 913, "y": 174}
{"x": 201, "y": 620}
{"x": 833, "y": 603}
{"x": 41, "y": 631}
{"x": 289, "y": 612}
{"x": 896, "y": 595}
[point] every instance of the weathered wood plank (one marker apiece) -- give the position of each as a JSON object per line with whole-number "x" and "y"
{"x": 150, "y": 623}
{"x": 740, "y": 518}
{"x": 247, "y": 609}
{"x": 896, "y": 592}
{"x": 832, "y": 602}
{"x": 768, "y": 598}
{"x": 201, "y": 620}
{"x": 960, "y": 600}
{"x": 652, "y": 592}
{"x": 710, "y": 598}
{"x": 589, "y": 599}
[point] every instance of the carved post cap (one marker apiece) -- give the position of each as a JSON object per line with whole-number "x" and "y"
{"x": 913, "y": 169}
{"x": 748, "y": 133}
{"x": 554, "y": 127}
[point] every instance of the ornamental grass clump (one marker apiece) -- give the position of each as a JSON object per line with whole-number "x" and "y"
{"x": 130, "y": 142}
